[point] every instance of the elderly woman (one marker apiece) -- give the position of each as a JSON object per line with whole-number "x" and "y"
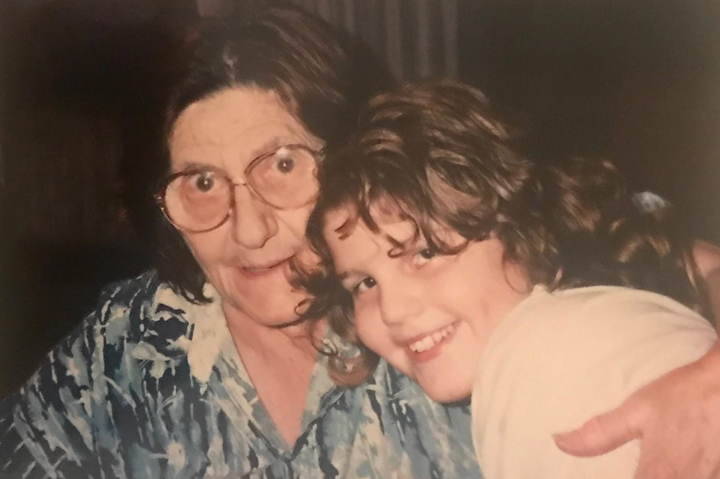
{"x": 201, "y": 368}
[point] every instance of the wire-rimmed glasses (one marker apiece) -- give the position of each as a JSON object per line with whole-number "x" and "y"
{"x": 201, "y": 199}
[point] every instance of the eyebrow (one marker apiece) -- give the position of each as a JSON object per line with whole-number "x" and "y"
{"x": 266, "y": 147}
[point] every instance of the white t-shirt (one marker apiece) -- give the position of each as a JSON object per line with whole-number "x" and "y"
{"x": 560, "y": 358}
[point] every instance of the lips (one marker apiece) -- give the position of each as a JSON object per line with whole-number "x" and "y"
{"x": 263, "y": 270}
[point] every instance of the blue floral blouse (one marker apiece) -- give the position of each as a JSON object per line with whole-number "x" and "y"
{"x": 151, "y": 386}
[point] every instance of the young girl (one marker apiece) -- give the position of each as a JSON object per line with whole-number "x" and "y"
{"x": 542, "y": 291}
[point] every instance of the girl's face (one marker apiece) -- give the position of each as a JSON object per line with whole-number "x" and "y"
{"x": 428, "y": 315}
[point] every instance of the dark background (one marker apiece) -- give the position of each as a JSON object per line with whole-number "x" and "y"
{"x": 636, "y": 81}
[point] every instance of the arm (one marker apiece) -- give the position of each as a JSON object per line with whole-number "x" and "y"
{"x": 677, "y": 442}
{"x": 677, "y": 416}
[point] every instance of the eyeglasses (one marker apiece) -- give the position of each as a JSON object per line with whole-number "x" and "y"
{"x": 202, "y": 199}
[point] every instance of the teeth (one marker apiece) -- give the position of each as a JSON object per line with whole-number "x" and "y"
{"x": 422, "y": 345}
{"x": 430, "y": 340}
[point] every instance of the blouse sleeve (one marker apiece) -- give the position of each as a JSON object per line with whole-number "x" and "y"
{"x": 46, "y": 426}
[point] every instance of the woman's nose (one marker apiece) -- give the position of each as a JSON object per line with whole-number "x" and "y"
{"x": 253, "y": 221}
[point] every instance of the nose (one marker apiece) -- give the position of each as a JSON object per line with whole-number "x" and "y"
{"x": 253, "y": 222}
{"x": 400, "y": 301}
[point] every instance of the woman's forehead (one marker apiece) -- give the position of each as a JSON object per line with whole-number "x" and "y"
{"x": 234, "y": 125}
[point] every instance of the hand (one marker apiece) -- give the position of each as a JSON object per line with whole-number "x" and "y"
{"x": 677, "y": 417}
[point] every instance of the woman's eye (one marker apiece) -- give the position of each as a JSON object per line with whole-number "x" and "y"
{"x": 204, "y": 182}
{"x": 284, "y": 161}
{"x": 364, "y": 285}
{"x": 285, "y": 165}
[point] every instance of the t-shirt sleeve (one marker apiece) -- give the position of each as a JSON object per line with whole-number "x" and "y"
{"x": 46, "y": 426}
{"x": 564, "y": 358}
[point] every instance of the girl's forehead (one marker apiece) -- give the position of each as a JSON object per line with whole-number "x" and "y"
{"x": 343, "y": 222}
{"x": 393, "y": 227}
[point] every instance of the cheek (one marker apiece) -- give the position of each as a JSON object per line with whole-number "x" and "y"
{"x": 370, "y": 327}
{"x": 206, "y": 247}
{"x": 472, "y": 304}
{"x": 363, "y": 323}
{"x": 296, "y": 220}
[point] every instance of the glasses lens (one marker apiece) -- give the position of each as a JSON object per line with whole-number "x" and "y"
{"x": 197, "y": 201}
{"x": 286, "y": 178}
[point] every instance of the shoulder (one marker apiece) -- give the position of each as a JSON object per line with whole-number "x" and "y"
{"x": 625, "y": 316}
{"x": 565, "y": 331}
{"x": 568, "y": 355}
{"x": 599, "y": 339}
{"x": 607, "y": 340}
{"x": 600, "y": 313}
{"x": 145, "y": 321}
{"x": 122, "y": 367}
{"x": 141, "y": 309}
{"x": 135, "y": 321}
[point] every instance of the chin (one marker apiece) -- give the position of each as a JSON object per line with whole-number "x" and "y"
{"x": 447, "y": 395}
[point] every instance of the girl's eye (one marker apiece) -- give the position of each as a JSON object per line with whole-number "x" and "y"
{"x": 424, "y": 255}
{"x": 427, "y": 253}
{"x": 364, "y": 285}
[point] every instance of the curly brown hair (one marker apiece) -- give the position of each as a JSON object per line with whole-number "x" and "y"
{"x": 438, "y": 153}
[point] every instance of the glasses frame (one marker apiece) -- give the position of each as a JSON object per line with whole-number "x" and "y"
{"x": 161, "y": 192}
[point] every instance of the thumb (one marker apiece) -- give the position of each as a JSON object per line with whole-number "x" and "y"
{"x": 602, "y": 433}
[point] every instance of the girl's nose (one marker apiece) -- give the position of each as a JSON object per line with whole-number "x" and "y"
{"x": 400, "y": 300}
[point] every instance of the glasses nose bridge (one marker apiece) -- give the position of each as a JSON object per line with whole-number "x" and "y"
{"x": 242, "y": 182}
{"x": 234, "y": 183}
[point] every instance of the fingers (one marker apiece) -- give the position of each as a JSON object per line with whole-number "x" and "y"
{"x": 602, "y": 433}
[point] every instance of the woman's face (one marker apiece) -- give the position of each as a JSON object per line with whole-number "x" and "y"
{"x": 429, "y": 316}
{"x": 247, "y": 258}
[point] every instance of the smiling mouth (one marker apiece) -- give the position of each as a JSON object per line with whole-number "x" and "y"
{"x": 431, "y": 340}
